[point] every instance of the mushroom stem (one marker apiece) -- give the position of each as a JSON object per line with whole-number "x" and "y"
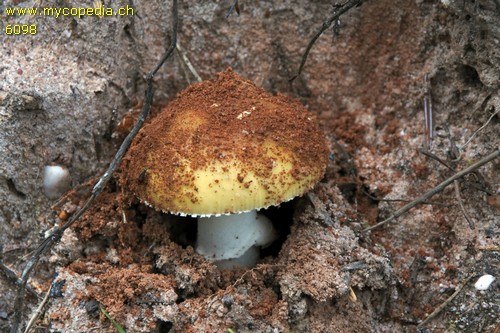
{"x": 233, "y": 240}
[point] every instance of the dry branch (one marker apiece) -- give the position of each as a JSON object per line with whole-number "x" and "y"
{"x": 437, "y": 189}
{"x": 479, "y": 129}
{"x": 12, "y": 277}
{"x": 38, "y": 311}
{"x": 187, "y": 63}
{"x": 445, "y": 303}
{"x": 339, "y": 11}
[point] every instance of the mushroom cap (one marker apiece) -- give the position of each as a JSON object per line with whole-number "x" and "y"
{"x": 225, "y": 146}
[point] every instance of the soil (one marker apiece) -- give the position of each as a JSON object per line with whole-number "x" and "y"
{"x": 367, "y": 82}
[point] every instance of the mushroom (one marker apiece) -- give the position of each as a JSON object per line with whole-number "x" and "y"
{"x": 222, "y": 150}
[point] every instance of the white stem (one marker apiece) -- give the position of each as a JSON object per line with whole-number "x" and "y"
{"x": 230, "y": 236}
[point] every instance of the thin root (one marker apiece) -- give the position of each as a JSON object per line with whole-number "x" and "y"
{"x": 445, "y": 303}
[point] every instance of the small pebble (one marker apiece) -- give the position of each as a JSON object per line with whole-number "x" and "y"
{"x": 484, "y": 282}
{"x": 56, "y": 181}
{"x": 57, "y": 288}
{"x": 92, "y": 307}
{"x": 4, "y": 315}
{"x": 227, "y": 300}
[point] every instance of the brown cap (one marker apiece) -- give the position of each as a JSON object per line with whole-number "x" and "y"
{"x": 225, "y": 146}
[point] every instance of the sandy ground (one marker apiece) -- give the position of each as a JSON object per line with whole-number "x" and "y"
{"x": 65, "y": 91}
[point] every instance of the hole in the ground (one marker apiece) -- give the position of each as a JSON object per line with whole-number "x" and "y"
{"x": 469, "y": 75}
{"x": 13, "y": 189}
{"x": 180, "y": 299}
{"x": 164, "y": 326}
{"x": 348, "y": 190}
{"x": 281, "y": 217}
{"x": 183, "y": 230}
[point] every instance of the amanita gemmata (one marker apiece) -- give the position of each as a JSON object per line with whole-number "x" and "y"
{"x": 221, "y": 151}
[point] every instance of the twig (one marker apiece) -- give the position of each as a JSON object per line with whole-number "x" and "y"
{"x": 489, "y": 248}
{"x": 188, "y": 63}
{"x": 454, "y": 151}
{"x": 479, "y": 129}
{"x": 433, "y": 156}
{"x": 38, "y": 310}
{"x": 445, "y": 303}
{"x": 434, "y": 203}
{"x": 12, "y": 276}
{"x": 234, "y": 6}
{"x": 352, "y": 295}
{"x": 56, "y": 235}
{"x": 341, "y": 9}
{"x": 437, "y": 189}
{"x": 460, "y": 202}
{"x": 455, "y": 183}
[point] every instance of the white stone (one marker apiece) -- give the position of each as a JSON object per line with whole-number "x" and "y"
{"x": 445, "y": 3}
{"x": 484, "y": 282}
{"x": 56, "y": 181}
